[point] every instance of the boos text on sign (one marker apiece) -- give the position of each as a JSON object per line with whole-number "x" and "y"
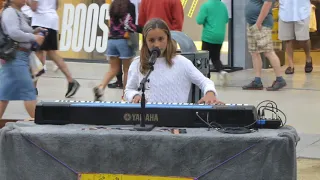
{"x": 79, "y": 27}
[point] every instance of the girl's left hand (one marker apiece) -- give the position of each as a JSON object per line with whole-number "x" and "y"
{"x": 210, "y": 98}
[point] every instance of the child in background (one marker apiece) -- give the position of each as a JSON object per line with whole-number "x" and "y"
{"x": 213, "y": 15}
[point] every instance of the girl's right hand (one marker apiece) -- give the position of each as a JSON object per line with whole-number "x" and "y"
{"x": 136, "y": 99}
{"x": 39, "y": 39}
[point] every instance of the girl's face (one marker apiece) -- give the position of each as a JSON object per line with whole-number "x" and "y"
{"x": 157, "y": 38}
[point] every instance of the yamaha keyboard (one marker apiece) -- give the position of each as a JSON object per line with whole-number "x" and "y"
{"x": 62, "y": 112}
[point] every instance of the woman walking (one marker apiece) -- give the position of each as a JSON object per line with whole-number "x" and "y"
{"x": 119, "y": 49}
{"x": 15, "y": 77}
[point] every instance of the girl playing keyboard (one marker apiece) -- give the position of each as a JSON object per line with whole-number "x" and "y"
{"x": 173, "y": 74}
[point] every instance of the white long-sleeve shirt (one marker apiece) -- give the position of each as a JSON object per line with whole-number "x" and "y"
{"x": 167, "y": 84}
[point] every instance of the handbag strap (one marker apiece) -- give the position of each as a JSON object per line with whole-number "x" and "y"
{"x": 19, "y": 17}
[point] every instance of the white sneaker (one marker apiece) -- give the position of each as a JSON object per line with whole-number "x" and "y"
{"x": 223, "y": 78}
{"x": 55, "y": 68}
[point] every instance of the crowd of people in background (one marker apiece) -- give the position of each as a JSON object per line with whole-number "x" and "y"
{"x": 34, "y": 25}
{"x": 36, "y": 22}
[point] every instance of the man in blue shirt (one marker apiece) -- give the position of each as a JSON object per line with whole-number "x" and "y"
{"x": 259, "y": 36}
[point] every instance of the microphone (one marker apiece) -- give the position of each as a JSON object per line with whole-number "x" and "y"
{"x": 155, "y": 53}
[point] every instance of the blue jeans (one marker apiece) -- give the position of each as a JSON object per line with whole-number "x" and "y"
{"x": 119, "y": 48}
{"x": 15, "y": 79}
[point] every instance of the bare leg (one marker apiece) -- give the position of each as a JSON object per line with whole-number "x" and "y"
{"x": 126, "y": 64}
{"x": 307, "y": 49}
{"x": 289, "y": 50}
{"x": 275, "y": 62}
{"x": 256, "y": 84}
{"x": 114, "y": 69}
{"x": 42, "y": 56}
{"x": 30, "y": 107}
{"x": 257, "y": 63}
{"x": 3, "y": 107}
{"x": 61, "y": 64}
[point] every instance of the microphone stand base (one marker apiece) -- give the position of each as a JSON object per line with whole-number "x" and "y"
{"x": 147, "y": 127}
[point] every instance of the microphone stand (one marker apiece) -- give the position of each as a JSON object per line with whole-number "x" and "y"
{"x": 143, "y": 126}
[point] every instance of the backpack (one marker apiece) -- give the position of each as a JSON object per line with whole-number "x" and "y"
{"x": 8, "y": 47}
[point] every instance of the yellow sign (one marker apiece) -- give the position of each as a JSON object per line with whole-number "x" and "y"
{"x": 184, "y": 3}
{"x": 192, "y": 8}
{"x": 126, "y": 177}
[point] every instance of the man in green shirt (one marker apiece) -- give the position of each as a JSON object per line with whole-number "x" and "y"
{"x": 213, "y": 15}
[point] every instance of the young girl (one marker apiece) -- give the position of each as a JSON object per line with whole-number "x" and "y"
{"x": 121, "y": 21}
{"x": 173, "y": 75}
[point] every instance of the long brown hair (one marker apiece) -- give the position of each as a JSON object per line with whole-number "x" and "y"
{"x": 169, "y": 52}
{"x": 118, "y": 9}
{"x": 5, "y": 4}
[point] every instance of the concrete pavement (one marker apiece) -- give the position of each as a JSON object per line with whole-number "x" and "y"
{"x": 299, "y": 100}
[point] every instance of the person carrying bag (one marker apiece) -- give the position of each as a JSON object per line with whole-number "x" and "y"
{"x": 15, "y": 77}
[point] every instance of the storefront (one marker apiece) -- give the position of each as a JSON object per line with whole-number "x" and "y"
{"x": 314, "y": 28}
{"x": 89, "y": 18}
{"x": 72, "y": 12}
{"x": 314, "y": 37}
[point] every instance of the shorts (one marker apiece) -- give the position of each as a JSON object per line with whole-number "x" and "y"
{"x": 119, "y": 48}
{"x": 51, "y": 40}
{"x": 259, "y": 40}
{"x": 298, "y": 30}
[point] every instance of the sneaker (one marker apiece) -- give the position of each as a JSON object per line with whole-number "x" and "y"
{"x": 42, "y": 71}
{"x": 98, "y": 93}
{"x": 276, "y": 85}
{"x": 55, "y": 68}
{"x": 116, "y": 84}
{"x": 72, "y": 88}
{"x": 36, "y": 77}
{"x": 253, "y": 86}
{"x": 223, "y": 78}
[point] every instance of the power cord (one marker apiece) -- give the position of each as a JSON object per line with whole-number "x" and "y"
{"x": 277, "y": 120}
{"x": 212, "y": 124}
{"x": 220, "y": 128}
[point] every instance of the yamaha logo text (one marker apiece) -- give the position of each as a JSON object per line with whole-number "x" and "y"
{"x": 138, "y": 117}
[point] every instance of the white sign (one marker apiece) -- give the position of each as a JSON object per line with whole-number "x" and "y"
{"x": 79, "y": 28}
